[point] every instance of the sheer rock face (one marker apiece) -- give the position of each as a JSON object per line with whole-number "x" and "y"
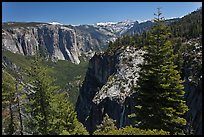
{"x": 119, "y": 85}
{"x": 193, "y": 95}
{"x": 108, "y": 87}
{"x": 56, "y": 41}
{"x": 193, "y": 86}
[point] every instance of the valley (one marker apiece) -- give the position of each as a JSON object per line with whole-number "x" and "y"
{"x": 92, "y": 76}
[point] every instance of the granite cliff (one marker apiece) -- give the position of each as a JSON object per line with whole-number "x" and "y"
{"x": 108, "y": 87}
{"x": 65, "y": 42}
{"x": 61, "y": 42}
{"x": 108, "y": 84}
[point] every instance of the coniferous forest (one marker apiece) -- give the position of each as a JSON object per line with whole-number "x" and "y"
{"x": 39, "y": 95}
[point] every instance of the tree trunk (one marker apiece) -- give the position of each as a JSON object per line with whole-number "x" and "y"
{"x": 11, "y": 124}
{"x": 19, "y": 110}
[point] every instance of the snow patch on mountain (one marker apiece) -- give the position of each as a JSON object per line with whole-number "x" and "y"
{"x": 116, "y": 27}
{"x": 55, "y": 23}
{"x": 105, "y": 23}
{"x": 142, "y": 21}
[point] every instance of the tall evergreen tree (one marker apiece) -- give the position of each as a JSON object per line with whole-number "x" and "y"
{"x": 18, "y": 100}
{"x": 41, "y": 86}
{"x": 8, "y": 101}
{"x": 63, "y": 120}
{"x": 160, "y": 103}
{"x": 50, "y": 108}
{"x": 12, "y": 96}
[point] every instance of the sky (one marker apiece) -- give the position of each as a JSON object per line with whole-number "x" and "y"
{"x": 76, "y": 13}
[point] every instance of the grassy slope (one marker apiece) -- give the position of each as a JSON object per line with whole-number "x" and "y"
{"x": 66, "y": 74}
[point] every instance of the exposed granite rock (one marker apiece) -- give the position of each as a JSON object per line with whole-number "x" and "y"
{"x": 108, "y": 87}
{"x": 118, "y": 86}
{"x": 193, "y": 86}
{"x": 108, "y": 83}
{"x": 6, "y": 63}
{"x": 193, "y": 95}
{"x": 55, "y": 41}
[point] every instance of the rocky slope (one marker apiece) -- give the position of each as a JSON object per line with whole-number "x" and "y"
{"x": 117, "y": 28}
{"x": 65, "y": 42}
{"x": 108, "y": 88}
{"x": 194, "y": 101}
{"x": 193, "y": 85}
{"x": 55, "y": 41}
{"x": 139, "y": 28}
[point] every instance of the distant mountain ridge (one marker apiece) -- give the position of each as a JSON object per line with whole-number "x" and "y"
{"x": 117, "y": 28}
{"x": 67, "y": 42}
{"x": 111, "y": 76}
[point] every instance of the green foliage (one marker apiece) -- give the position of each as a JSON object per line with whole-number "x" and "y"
{"x": 67, "y": 76}
{"x": 192, "y": 59}
{"x": 107, "y": 125}
{"x": 160, "y": 103}
{"x": 160, "y": 92}
{"x": 8, "y": 100}
{"x": 42, "y": 88}
{"x": 19, "y": 60}
{"x": 8, "y": 87}
{"x": 189, "y": 26}
{"x": 129, "y": 130}
{"x": 137, "y": 40}
{"x": 120, "y": 42}
{"x": 50, "y": 108}
{"x": 63, "y": 118}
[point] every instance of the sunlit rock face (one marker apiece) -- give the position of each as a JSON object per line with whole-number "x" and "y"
{"x": 58, "y": 42}
{"x": 109, "y": 82}
{"x": 108, "y": 87}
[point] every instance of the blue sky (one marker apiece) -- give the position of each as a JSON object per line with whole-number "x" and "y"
{"x": 91, "y": 12}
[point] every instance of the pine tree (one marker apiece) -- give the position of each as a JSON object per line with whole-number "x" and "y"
{"x": 13, "y": 96}
{"x": 129, "y": 130}
{"x": 19, "y": 106}
{"x": 160, "y": 103}
{"x": 50, "y": 108}
{"x": 63, "y": 118}
{"x": 8, "y": 100}
{"x": 41, "y": 88}
{"x": 106, "y": 126}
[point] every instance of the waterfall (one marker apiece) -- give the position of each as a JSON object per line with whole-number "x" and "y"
{"x": 121, "y": 118}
